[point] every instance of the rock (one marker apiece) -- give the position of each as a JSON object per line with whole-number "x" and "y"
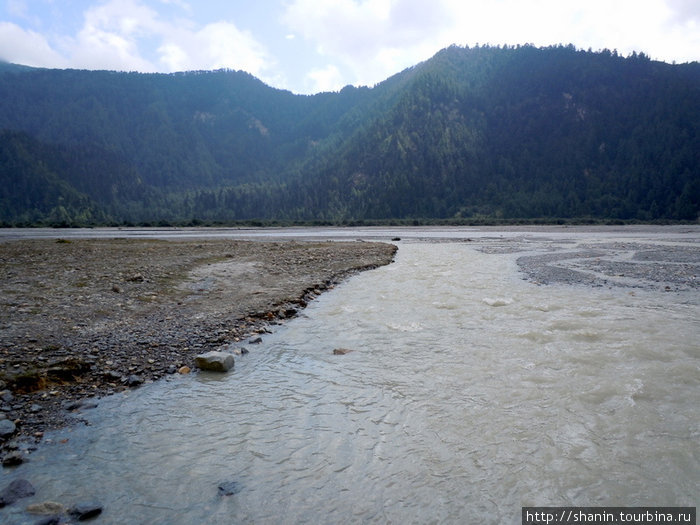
{"x": 229, "y": 488}
{"x": 46, "y": 508}
{"x": 342, "y": 351}
{"x": 80, "y": 404}
{"x": 68, "y": 369}
{"x": 136, "y": 278}
{"x": 184, "y": 370}
{"x": 6, "y": 396}
{"x": 7, "y": 428}
{"x": 13, "y": 459}
{"x": 86, "y": 510}
{"x": 25, "y": 380}
{"x": 255, "y": 341}
{"x": 18, "y": 489}
{"x": 134, "y": 381}
{"x": 116, "y": 288}
{"x": 35, "y": 408}
{"x": 51, "y": 520}
{"x": 214, "y": 361}
{"x": 111, "y": 375}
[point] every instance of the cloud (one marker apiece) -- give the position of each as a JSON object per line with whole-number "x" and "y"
{"x": 27, "y": 47}
{"x": 370, "y": 38}
{"x": 685, "y": 11}
{"x": 376, "y": 38}
{"x": 328, "y": 78}
{"x": 217, "y": 45}
{"x": 131, "y": 35}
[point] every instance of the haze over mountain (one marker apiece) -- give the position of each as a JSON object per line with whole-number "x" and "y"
{"x": 472, "y": 134}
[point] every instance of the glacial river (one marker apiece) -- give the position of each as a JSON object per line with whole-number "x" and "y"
{"x": 470, "y": 393}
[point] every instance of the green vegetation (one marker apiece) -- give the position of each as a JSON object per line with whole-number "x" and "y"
{"x": 471, "y": 136}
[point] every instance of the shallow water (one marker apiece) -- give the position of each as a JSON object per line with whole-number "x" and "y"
{"x": 470, "y": 393}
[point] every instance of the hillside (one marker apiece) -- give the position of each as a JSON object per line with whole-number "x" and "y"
{"x": 471, "y": 134}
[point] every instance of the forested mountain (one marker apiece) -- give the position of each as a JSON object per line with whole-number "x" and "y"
{"x": 471, "y": 134}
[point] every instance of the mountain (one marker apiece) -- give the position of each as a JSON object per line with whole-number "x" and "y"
{"x": 484, "y": 133}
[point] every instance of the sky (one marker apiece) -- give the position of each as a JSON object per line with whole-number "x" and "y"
{"x": 308, "y": 46}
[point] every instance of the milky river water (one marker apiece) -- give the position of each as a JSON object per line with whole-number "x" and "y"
{"x": 470, "y": 393}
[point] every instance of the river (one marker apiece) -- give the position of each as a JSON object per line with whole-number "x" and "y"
{"x": 470, "y": 392}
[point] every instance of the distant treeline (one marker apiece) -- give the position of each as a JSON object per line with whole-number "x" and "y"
{"x": 471, "y": 136}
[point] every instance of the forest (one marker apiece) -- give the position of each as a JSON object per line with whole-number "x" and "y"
{"x": 472, "y": 135}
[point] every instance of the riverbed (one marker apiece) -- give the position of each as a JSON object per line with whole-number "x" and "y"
{"x": 475, "y": 386}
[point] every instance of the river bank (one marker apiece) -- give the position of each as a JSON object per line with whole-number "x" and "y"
{"x": 86, "y": 318}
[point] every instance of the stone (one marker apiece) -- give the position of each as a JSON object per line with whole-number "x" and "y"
{"x": 111, "y": 375}
{"x": 47, "y": 508}
{"x": 184, "y": 370}
{"x": 7, "y": 428}
{"x": 342, "y": 351}
{"x": 18, "y": 489}
{"x": 134, "y": 381}
{"x": 229, "y": 488}
{"x": 68, "y": 369}
{"x": 51, "y": 520}
{"x": 80, "y": 404}
{"x": 86, "y": 510}
{"x": 116, "y": 288}
{"x": 214, "y": 361}
{"x": 12, "y": 459}
{"x": 255, "y": 341}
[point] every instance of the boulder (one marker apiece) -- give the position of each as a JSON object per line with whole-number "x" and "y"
{"x": 214, "y": 361}
{"x": 18, "y": 489}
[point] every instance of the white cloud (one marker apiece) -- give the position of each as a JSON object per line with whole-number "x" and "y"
{"x": 373, "y": 38}
{"x": 376, "y": 38}
{"x": 27, "y": 47}
{"x": 328, "y": 78}
{"x": 217, "y": 45}
{"x": 132, "y": 35}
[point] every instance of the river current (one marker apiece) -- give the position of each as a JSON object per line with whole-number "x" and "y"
{"x": 470, "y": 392}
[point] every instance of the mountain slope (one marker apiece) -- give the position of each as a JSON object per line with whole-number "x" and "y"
{"x": 515, "y": 132}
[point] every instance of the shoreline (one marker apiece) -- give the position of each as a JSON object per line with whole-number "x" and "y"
{"x": 85, "y": 318}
